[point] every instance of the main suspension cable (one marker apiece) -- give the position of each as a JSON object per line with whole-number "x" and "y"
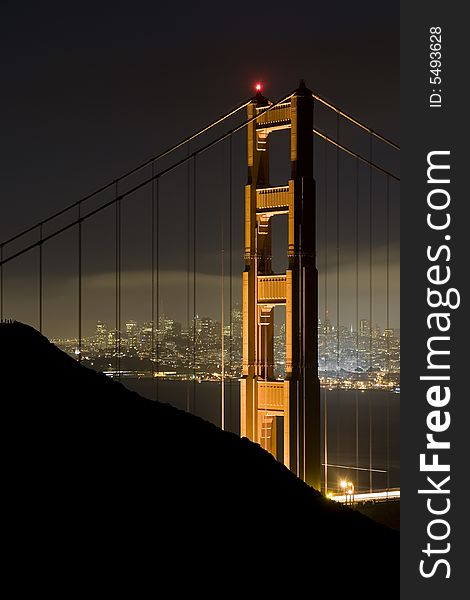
{"x": 356, "y": 122}
{"x": 355, "y": 154}
{"x": 143, "y": 183}
{"x": 128, "y": 173}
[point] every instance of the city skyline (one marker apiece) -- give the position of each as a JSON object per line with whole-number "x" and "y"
{"x": 167, "y": 350}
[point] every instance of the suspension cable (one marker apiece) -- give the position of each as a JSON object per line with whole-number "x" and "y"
{"x": 370, "y": 309}
{"x": 355, "y": 154}
{"x": 341, "y": 113}
{"x": 117, "y": 333}
{"x": 188, "y": 269}
{"x": 356, "y": 398}
{"x": 230, "y": 203}
{"x": 40, "y": 278}
{"x": 116, "y": 252}
{"x": 370, "y": 255}
{"x": 79, "y": 284}
{"x": 222, "y": 341}
{"x": 326, "y": 316}
{"x": 194, "y": 280}
{"x": 119, "y": 289}
{"x": 337, "y": 254}
{"x": 357, "y": 264}
{"x": 157, "y": 298}
{"x": 145, "y": 182}
{"x": 388, "y": 326}
{"x": 1, "y": 282}
{"x": 388, "y": 271}
{"x": 129, "y": 173}
{"x": 179, "y": 145}
{"x": 338, "y": 394}
{"x": 152, "y": 282}
{"x": 354, "y": 468}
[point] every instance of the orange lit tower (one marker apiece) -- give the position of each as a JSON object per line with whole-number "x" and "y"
{"x": 282, "y": 416}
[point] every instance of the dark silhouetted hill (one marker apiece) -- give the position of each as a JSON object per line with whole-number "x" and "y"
{"x": 107, "y": 492}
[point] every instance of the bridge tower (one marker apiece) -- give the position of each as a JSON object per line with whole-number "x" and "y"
{"x": 282, "y": 416}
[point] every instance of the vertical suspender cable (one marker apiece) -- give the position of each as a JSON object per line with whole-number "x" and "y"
{"x": 388, "y": 272}
{"x": 1, "y": 283}
{"x": 194, "y": 279}
{"x": 119, "y": 289}
{"x": 155, "y": 268}
{"x": 79, "y": 282}
{"x": 370, "y": 309}
{"x": 325, "y": 328}
{"x": 115, "y": 281}
{"x": 388, "y": 327}
{"x": 40, "y": 277}
{"x": 188, "y": 269}
{"x": 338, "y": 393}
{"x": 302, "y": 337}
{"x": 222, "y": 341}
{"x": 230, "y": 244}
{"x": 337, "y": 253}
{"x": 157, "y": 298}
{"x": 357, "y": 322}
{"x": 152, "y": 276}
{"x": 117, "y": 341}
{"x": 326, "y": 234}
{"x": 370, "y": 253}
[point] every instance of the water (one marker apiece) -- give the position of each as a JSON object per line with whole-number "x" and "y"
{"x": 376, "y": 415}
{"x": 372, "y": 412}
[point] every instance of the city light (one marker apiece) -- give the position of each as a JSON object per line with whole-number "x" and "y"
{"x": 348, "y": 491}
{"x": 360, "y": 366}
{"x": 380, "y": 495}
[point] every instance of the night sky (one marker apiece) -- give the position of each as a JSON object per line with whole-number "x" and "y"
{"x": 90, "y": 90}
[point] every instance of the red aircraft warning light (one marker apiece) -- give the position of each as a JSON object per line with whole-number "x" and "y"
{"x": 258, "y": 87}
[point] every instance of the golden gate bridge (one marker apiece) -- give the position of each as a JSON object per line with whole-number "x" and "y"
{"x": 324, "y": 201}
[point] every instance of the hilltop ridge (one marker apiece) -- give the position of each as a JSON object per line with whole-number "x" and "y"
{"x": 103, "y": 483}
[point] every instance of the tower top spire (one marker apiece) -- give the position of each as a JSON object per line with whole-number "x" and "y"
{"x": 302, "y": 90}
{"x": 258, "y": 98}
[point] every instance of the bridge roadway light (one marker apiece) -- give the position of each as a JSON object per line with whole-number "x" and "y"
{"x": 348, "y": 490}
{"x": 350, "y": 493}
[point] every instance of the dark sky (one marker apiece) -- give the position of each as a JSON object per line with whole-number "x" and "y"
{"x": 90, "y": 90}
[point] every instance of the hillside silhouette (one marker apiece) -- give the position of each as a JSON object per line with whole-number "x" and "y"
{"x": 107, "y": 491}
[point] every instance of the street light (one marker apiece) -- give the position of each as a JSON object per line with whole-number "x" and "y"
{"x": 348, "y": 490}
{"x": 350, "y": 493}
